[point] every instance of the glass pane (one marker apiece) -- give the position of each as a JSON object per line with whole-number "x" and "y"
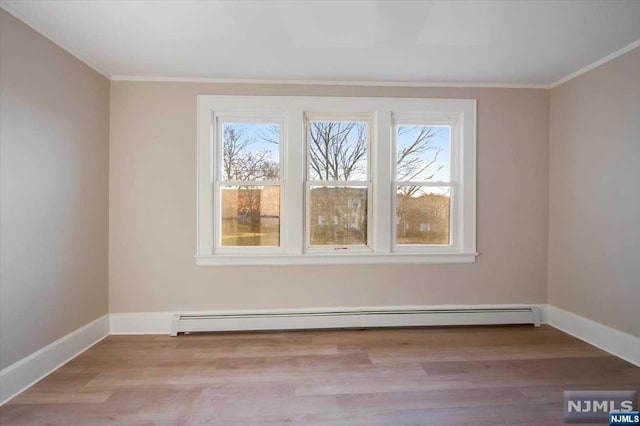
{"x": 423, "y": 153}
{"x": 250, "y": 216}
{"x": 338, "y": 150}
{"x": 422, "y": 215}
{"x": 338, "y": 215}
{"x": 250, "y": 151}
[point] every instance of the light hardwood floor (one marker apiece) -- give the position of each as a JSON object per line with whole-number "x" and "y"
{"x": 420, "y": 376}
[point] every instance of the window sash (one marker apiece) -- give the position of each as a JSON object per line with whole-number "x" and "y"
{"x": 427, "y": 120}
{"x": 217, "y": 225}
{"x": 338, "y": 247}
{"x": 453, "y": 222}
{"x": 366, "y": 118}
{"x": 247, "y": 118}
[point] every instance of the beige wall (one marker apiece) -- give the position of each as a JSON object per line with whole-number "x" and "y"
{"x": 594, "y": 251}
{"x": 153, "y": 212}
{"x": 54, "y": 124}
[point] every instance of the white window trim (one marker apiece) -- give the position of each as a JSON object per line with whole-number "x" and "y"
{"x": 291, "y": 111}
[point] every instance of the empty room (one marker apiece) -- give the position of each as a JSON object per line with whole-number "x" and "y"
{"x": 319, "y": 212}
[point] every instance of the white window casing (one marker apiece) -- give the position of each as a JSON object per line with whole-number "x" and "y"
{"x": 382, "y": 115}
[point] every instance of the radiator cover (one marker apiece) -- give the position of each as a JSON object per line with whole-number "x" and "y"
{"x": 352, "y": 318}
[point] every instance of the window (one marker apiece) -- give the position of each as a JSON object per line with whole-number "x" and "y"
{"x": 299, "y": 180}
{"x": 424, "y": 149}
{"x": 338, "y": 182}
{"x": 247, "y": 183}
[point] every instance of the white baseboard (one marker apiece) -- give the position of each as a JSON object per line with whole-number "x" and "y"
{"x": 609, "y": 339}
{"x": 22, "y": 374}
{"x": 160, "y": 322}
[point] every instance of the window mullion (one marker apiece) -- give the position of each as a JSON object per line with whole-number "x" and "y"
{"x": 381, "y": 175}
{"x": 293, "y": 186}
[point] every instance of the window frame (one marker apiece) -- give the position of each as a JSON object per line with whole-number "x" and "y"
{"x": 293, "y": 179}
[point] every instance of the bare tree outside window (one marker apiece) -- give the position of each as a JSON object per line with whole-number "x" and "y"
{"x": 421, "y": 155}
{"x": 249, "y": 157}
{"x": 338, "y": 150}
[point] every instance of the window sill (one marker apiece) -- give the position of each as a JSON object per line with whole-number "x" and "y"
{"x": 335, "y": 259}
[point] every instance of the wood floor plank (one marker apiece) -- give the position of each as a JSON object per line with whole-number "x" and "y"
{"x": 413, "y": 376}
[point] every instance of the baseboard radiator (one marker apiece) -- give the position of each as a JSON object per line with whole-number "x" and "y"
{"x": 361, "y": 318}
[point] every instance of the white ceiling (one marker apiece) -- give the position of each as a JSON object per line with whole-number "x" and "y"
{"x": 510, "y": 43}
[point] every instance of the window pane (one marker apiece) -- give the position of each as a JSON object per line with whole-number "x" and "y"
{"x": 338, "y": 215}
{"x": 422, "y": 215}
{"x": 250, "y": 215}
{"x": 423, "y": 153}
{"x": 338, "y": 150}
{"x": 250, "y": 151}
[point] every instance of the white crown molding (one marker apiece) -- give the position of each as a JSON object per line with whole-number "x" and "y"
{"x": 22, "y": 374}
{"x": 596, "y": 64}
{"x": 165, "y": 79}
{"x": 6, "y": 6}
